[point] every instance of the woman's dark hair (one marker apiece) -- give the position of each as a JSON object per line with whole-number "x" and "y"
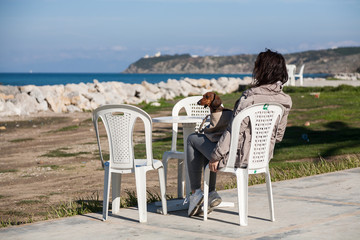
{"x": 269, "y": 68}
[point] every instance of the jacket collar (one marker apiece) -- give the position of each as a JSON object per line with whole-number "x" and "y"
{"x": 268, "y": 89}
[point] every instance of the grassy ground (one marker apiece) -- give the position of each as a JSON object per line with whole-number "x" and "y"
{"x": 322, "y": 133}
{"x": 325, "y": 126}
{"x": 324, "y": 121}
{"x": 322, "y": 136}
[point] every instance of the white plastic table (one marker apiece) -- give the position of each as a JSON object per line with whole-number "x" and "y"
{"x": 188, "y": 125}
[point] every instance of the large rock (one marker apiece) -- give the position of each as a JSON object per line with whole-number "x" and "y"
{"x": 215, "y": 86}
{"x": 114, "y": 93}
{"x": 150, "y": 87}
{"x": 80, "y": 88}
{"x": 9, "y": 90}
{"x": 55, "y": 98}
{"x": 84, "y": 104}
{"x": 36, "y": 93}
{"x": 6, "y": 97}
{"x": 200, "y": 83}
{"x": 232, "y": 85}
{"x": 246, "y": 81}
{"x": 72, "y": 108}
{"x": 186, "y": 88}
{"x": 25, "y": 104}
{"x": 8, "y": 109}
{"x": 99, "y": 86}
{"x": 95, "y": 99}
{"x": 170, "y": 89}
{"x": 135, "y": 93}
{"x": 75, "y": 100}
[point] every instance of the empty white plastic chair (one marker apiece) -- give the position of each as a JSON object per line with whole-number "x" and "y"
{"x": 300, "y": 75}
{"x": 192, "y": 109}
{"x": 291, "y": 74}
{"x": 119, "y": 121}
{"x": 263, "y": 118}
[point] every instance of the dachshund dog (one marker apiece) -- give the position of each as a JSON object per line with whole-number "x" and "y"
{"x": 211, "y": 100}
{"x": 219, "y": 116}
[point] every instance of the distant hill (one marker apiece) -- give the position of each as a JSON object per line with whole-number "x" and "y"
{"x": 331, "y": 61}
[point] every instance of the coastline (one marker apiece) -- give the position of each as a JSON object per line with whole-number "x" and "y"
{"x": 31, "y": 99}
{"x": 70, "y": 98}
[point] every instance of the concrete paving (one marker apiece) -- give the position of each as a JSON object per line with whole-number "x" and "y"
{"x": 324, "y": 206}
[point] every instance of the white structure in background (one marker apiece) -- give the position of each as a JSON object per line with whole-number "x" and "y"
{"x": 291, "y": 74}
{"x": 291, "y": 68}
{"x": 300, "y": 75}
{"x": 158, "y": 54}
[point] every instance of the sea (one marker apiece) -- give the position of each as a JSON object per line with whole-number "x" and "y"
{"x": 41, "y": 79}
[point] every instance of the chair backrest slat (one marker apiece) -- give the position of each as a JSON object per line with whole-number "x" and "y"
{"x": 119, "y": 130}
{"x": 262, "y": 118}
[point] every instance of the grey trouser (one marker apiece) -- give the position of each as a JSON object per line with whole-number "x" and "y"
{"x": 199, "y": 149}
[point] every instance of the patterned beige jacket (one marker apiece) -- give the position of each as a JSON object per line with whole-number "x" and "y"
{"x": 262, "y": 94}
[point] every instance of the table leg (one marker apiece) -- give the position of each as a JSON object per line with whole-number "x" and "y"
{"x": 181, "y": 177}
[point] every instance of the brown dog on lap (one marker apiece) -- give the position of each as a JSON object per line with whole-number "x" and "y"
{"x": 219, "y": 116}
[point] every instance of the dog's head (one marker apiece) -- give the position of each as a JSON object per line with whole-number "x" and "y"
{"x": 210, "y": 99}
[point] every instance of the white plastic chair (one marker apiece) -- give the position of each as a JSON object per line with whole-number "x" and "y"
{"x": 300, "y": 75}
{"x": 263, "y": 119}
{"x": 192, "y": 109}
{"x": 119, "y": 121}
{"x": 291, "y": 74}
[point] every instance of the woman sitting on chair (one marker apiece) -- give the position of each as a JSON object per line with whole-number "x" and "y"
{"x": 269, "y": 76}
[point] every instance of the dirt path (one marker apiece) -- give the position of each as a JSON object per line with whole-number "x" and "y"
{"x": 50, "y": 159}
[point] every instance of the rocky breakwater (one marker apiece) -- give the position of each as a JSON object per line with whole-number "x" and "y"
{"x": 30, "y": 99}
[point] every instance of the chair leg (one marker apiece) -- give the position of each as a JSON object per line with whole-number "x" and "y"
{"x": 242, "y": 186}
{"x": 116, "y": 188}
{"x": 270, "y": 195}
{"x": 140, "y": 178}
{"x": 206, "y": 190}
{"x": 107, "y": 178}
{"x": 162, "y": 189}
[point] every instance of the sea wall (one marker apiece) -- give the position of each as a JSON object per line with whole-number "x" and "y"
{"x": 30, "y": 99}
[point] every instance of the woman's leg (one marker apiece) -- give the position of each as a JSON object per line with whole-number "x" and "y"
{"x": 199, "y": 149}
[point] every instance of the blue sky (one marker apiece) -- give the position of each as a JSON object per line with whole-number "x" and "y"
{"x": 108, "y": 35}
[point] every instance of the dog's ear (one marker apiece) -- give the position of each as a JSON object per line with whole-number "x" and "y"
{"x": 216, "y": 102}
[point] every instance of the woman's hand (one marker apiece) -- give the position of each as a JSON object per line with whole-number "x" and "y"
{"x": 213, "y": 166}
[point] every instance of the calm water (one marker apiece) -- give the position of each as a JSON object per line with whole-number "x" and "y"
{"x": 40, "y": 79}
